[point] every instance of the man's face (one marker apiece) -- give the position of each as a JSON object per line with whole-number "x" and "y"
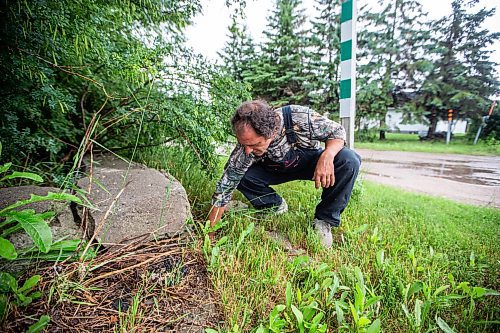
{"x": 252, "y": 142}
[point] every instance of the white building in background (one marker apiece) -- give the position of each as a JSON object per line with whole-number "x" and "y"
{"x": 394, "y": 119}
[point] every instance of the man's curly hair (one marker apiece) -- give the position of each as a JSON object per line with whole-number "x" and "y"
{"x": 258, "y": 114}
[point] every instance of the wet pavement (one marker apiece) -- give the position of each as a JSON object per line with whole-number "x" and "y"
{"x": 464, "y": 178}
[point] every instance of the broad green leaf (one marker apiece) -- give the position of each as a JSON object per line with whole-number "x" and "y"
{"x": 36, "y": 294}
{"x": 7, "y": 282}
{"x": 444, "y": 326}
{"x": 30, "y": 283}
{"x": 321, "y": 268}
{"x": 309, "y": 311}
{"x": 405, "y": 310}
{"x": 441, "y": 289}
{"x": 209, "y": 330}
{"x": 426, "y": 307}
{"x": 418, "y": 312}
{"x": 5, "y": 167}
{"x": 35, "y": 227}
{"x": 363, "y": 321}
{"x": 317, "y": 318}
{"x": 301, "y": 260}
{"x": 278, "y": 308}
{"x": 326, "y": 283}
{"x": 354, "y": 313}
{"x": 24, "y": 300}
{"x": 478, "y": 292}
{"x": 361, "y": 280}
{"x": 215, "y": 256}
{"x": 359, "y": 297}
{"x": 222, "y": 241}
{"x": 39, "y": 325}
{"x": 335, "y": 285}
{"x": 300, "y": 317}
{"x": 374, "y": 327}
{"x": 340, "y": 313}
{"x": 37, "y": 198}
{"x": 372, "y": 300}
{"x": 491, "y": 292}
{"x": 26, "y": 175}
{"x": 415, "y": 288}
{"x": 7, "y": 249}
{"x": 244, "y": 234}
{"x": 380, "y": 257}
{"x": 260, "y": 329}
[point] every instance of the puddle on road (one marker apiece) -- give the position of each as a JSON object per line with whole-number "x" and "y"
{"x": 453, "y": 170}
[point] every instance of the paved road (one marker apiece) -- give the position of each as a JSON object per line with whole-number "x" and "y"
{"x": 464, "y": 178}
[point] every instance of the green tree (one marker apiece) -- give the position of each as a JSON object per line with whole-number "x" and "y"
{"x": 392, "y": 43}
{"x": 323, "y": 58}
{"x": 462, "y": 77}
{"x": 239, "y": 52}
{"x": 277, "y": 74}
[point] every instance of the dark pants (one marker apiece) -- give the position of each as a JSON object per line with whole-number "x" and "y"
{"x": 300, "y": 165}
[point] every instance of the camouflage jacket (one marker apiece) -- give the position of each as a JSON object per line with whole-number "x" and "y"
{"x": 310, "y": 127}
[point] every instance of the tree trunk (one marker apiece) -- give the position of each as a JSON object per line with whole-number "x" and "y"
{"x": 433, "y": 125}
{"x": 382, "y": 130}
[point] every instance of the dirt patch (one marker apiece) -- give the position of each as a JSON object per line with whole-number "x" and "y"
{"x": 153, "y": 287}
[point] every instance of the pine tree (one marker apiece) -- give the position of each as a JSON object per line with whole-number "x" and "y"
{"x": 239, "y": 51}
{"x": 277, "y": 74}
{"x": 392, "y": 57}
{"x": 463, "y": 77}
{"x": 322, "y": 69}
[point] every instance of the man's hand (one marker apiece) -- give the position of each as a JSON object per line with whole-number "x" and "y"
{"x": 214, "y": 216}
{"x": 324, "y": 174}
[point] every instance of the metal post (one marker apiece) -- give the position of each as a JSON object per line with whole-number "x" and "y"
{"x": 450, "y": 121}
{"x": 448, "y": 134}
{"x": 348, "y": 68}
{"x": 478, "y": 132}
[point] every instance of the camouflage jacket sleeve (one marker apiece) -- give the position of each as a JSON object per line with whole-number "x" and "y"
{"x": 235, "y": 169}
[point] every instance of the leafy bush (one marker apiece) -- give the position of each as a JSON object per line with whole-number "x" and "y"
{"x": 366, "y": 135}
{"x": 98, "y": 74}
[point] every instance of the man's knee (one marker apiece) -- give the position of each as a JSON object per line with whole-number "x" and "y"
{"x": 252, "y": 179}
{"x": 349, "y": 158}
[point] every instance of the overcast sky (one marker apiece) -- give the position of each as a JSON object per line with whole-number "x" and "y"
{"x": 210, "y": 29}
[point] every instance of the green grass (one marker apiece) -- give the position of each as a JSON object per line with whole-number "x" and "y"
{"x": 410, "y": 263}
{"x": 410, "y": 142}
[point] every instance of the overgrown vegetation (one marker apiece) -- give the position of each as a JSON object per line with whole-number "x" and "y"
{"x": 16, "y": 218}
{"x": 106, "y": 75}
{"x": 410, "y": 263}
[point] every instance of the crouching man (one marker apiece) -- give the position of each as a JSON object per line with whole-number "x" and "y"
{"x": 281, "y": 145}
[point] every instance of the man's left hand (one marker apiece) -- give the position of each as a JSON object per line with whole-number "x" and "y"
{"x": 324, "y": 174}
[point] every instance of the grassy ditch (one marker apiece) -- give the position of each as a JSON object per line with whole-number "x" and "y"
{"x": 408, "y": 263}
{"x": 410, "y": 142}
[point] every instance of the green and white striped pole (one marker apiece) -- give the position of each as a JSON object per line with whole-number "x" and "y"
{"x": 348, "y": 17}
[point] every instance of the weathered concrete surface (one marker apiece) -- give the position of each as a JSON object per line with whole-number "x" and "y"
{"x": 463, "y": 178}
{"x": 63, "y": 224}
{"x": 152, "y": 202}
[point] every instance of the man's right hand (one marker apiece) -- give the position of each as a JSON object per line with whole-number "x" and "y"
{"x": 214, "y": 216}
